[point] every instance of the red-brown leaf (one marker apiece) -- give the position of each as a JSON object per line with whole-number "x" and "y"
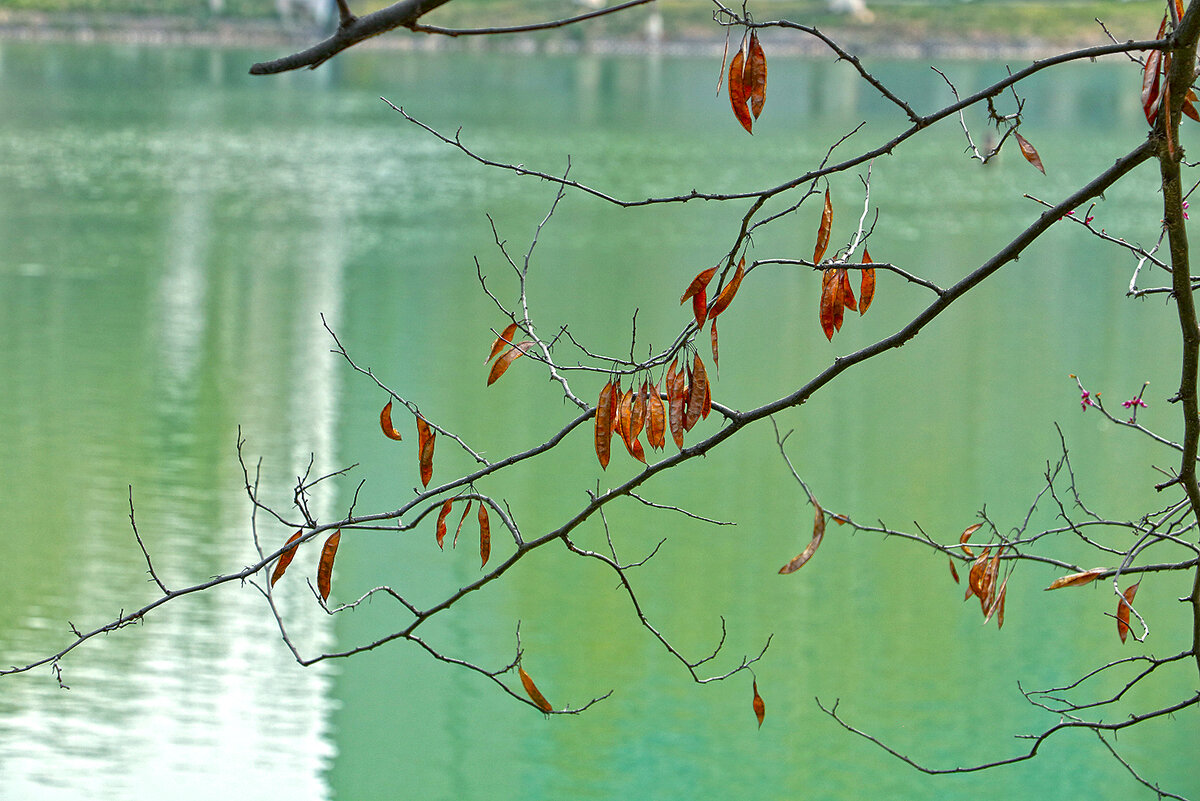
{"x": 624, "y": 415}
{"x": 285, "y": 558}
{"x": 675, "y": 403}
{"x": 725, "y": 296}
{"x": 966, "y": 535}
{"x": 698, "y": 284}
{"x": 697, "y": 386}
{"x": 637, "y": 411}
{"x": 504, "y": 340}
{"x": 1029, "y": 152}
{"x": 1152, "y": 79}
{"x": 737, "y": 92}
{"x": 533, "y": 692}
{"x": 385, "y": 422}
{"x": 457, "y": 531}
{"x": 760, "y": 709}
{"x": 603, "y": 435}
{"x": 441, "y": 522}
{"x": 755, "y": 76}
{"x": 1078, "y": 579}
{"x": 325, "y": 565}
{"x": 1123, "y": 607}
{"x": 823, "y": 231}
{"x": 818, "y": 533}
{"x": 425, "y": 439}
{"x": 831, "y": 303}
{"x": 1188, "y": 108}
{"x": 847, "y": 292}
{"x": 712, "y": 335}
{"x": 508, "y": 358}
{"x": 485, "y": 535}
{"x": 657, "y": 427}
{"x": 700, "y": 307}
{"x": 866, "y": 292}
{"x": 953, "y": 570}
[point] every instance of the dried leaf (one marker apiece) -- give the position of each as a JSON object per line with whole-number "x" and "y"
{"x": 966, "y": 535}
{"x": 1078, "y": 579}
{"x": 823, "y": 231}
{"x": 755, "y": 76}
{"x": 325, "y": 565}
{"x": 441, "y": 521}
{"x": 847, "y": 292}
{"x": 533, "y": 692}
{"x": 1000, "y": 614}
{"x": 725, "y": 296}
{"x": 485, "y": 535}
{"x": 603, "y": 435}
{"x": 818, "y": 533}
{"x": 831, "y": 303}
{"x": 866, "y": 292}
{"x": 286, "y": 557}
{"x": 953, "y": 570}
{"x": 977, "y": 578}
{"x": 637, "y": 411}
{"x": 1029, "y": 152}
{"x": 508, "y": 358}
{"x": 724, "y": 61}
{"x": 700, "y": 307}
{"x": 637, "y": 451}
{"x": 1152, "y": 79}
{"x": 1123, "y": 607}
{"x": 504, "y": 340}
{"x": 1188, "y": 108}
{"x": 997, "y": 605}
{"x": 657, "y": 427}
{"x": 841, "y": 520}
{"x": 425, "y": 439}
{"x": 697, "y": 387}
{"x": 712, "y": 335}
{"x": 698, "y": 284}
{"x": 675, "y": 403}
{"x": 624, "y": 413}
{"x": 737, "y": 92}
{"x": 457, "y": 531}
{"x": 385, "y": 422}
{"x": 760, "y": 709}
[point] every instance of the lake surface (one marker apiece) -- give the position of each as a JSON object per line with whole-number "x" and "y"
{"x": 172, "y": 230}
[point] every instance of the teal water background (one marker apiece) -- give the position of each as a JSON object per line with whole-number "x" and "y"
{"x": 171, "y": 231}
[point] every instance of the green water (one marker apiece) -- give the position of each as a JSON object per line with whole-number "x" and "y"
{"x": 171, "y": 231}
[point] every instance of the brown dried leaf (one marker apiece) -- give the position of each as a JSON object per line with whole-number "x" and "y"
{"x": 700, "y": 307}
{"x": 760, "y": 709}
{"x": 977, "y": 578}
{"x": 457, "y": 531}
{"x": 847, "y": 292}
{"x": 698, "y": 284}
{"x": 1078, "y": 579}
{"x": 508, "y": 358}
{"x": 637, "y": 411}
{"x": 697, "y": 388}
{"x": 325, "y": 565}
{"x": 831, "y": 303}
{"x": 1152, "y": 79}
{"x": 285, "y": 558}
{"x": 504, "y": 340}
{"x": 441, "y": 522}
{"x": 533, "y": 692}
{"x": 737, "y": 92}
{"x": 1188, "y": 108}
{"x": 818, "y": 533}
{"x": 425, "y": 439}
{"x": 712, "y": 335}
{"x": 755, "y": 76}
{"x": 385, "y": 422}
{"x": 966, "y": 535}
{"x": 823, "y": 231}
{"x": 725, "y": 296}
{"x": 624, "y": 413}
{"x": 866, "y": 292}
{"x": 953, "y": 570}
{"x": 1123, "y": 607}
{"x": 675, "y": 404}
{"x": 997, "y": 605}
{"x": 603, "y": 435}
{"x": 485, "y": 535}
{"x": 656, "y": 429}
{"x": 1029, "y": 152}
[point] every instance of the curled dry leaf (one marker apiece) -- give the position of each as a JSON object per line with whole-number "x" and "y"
{"x": 624, "y": 415}
{"x": 675, "y": 404}
{"x": 637, "y": 411}
{"x": 996, "y": 604}
{"x": 604, "y": 413}
{"x": 818, "y": 533}
{"x": 760, "y": 709}
{"x": 504, "y": 340}
{"x": 725, "y": 296}
{"x": 712, "y": 335}
{"x": 953, "y": 570}
{"x": 507, "y": 359}
{"x": 286, "y": 557}
{"x": 441, "y": 522}
{"x": 485, "y": 535}
{"x": 1152, "y": 79}
{"x": 657, "y": 426}
{"x": 866, "y": 291}
{"x": 325, "y": 565}
{"x": 458, "y": 530}
{"x": 425, "y": 439}
{"x": 754, "y": 76}
{"x": 1078, "y": 579}
{"x": 1028, "y": 151}
{"x": 847, "y": 292}
{"x": 737, "y": 92}
{"x": 535, "y": 695}
{"x": 697, "y": 390}
{"x": 966, "y": 535}
{"x": 1188, "y": 105}
{"x": 830, "y": 312}
{"x": 823, "y": 231}
{"x": 700, "y": 307}
{"x": 1123, "y": 607}
{"x": 977, "y": 578}
{"x": 698, "y": 284}
{"x": 385, "y": 422}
